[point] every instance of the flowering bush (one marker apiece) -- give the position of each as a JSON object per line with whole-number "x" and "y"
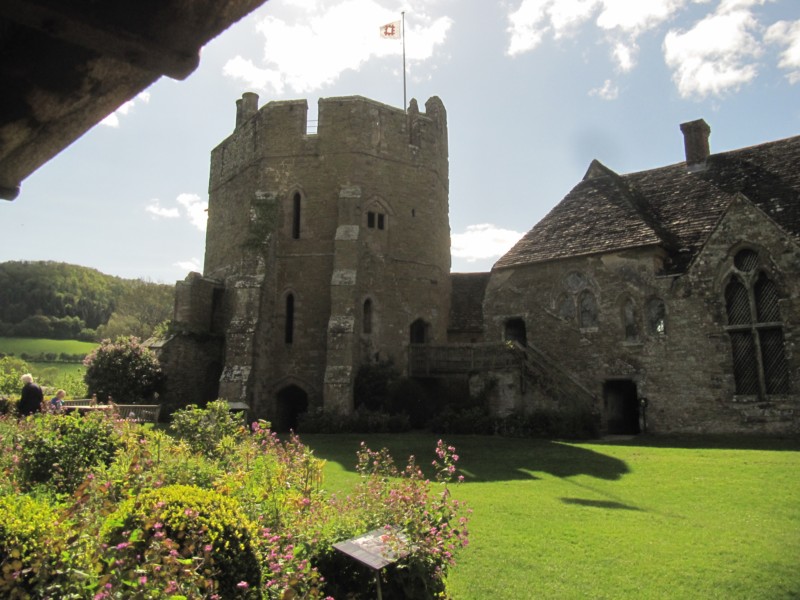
{"x": 124, "y": 370}
{"x": 204, "y": 428}
{"x": 152, "y": 518}
{"x": 181, "y": 539}
{"x": 60, "y": 450}
{"x": 33, "y": 560}
{"x": 432, "y": 523}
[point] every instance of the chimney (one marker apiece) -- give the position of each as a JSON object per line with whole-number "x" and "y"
{"x": 695, "y": 142}
{"x": 246, "y": 107}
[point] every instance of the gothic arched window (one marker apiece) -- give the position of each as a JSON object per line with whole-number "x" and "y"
{"x": 630, "y": 320}
{"x": 656, "y": 317}
{"x": 755, "y": 329}
{"x": 587, "y": 310}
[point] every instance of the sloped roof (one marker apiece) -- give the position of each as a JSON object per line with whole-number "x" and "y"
{"x": 670, "y": 207}
{"x": 466, "y": 305}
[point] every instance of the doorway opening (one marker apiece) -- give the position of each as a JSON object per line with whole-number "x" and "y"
{"x": 515, "y": 331}
{"x": 622, "y": 407}
{"x": 291, "y": 401}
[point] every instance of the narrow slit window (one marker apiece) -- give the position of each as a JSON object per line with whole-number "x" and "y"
{"x": 371, "y": 220}
{"x": 288, "y": 335}
{"x": 296, "y": 202}
{"x": 381, "y": 221}
{"x": 366, "y": 323}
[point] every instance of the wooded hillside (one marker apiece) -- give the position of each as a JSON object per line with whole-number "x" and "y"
{"x": 62, "y": 301}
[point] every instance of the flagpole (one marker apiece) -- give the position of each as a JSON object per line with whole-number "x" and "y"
{"x": 403, "y": 35}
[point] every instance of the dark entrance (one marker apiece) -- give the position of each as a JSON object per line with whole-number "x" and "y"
{"x": 622, "y": 406}
{"x": 515, "y": 331}
{"x": 291, "y": 401}
{"x": 418, "y": 331}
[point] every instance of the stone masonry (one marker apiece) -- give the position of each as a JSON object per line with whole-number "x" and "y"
{"x": 667, "y": 298}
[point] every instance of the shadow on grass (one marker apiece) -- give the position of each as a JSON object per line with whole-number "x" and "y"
{"x": 481, "y": 459}
{"x": 707, "y": 442}
{"x": 599, "y": 504}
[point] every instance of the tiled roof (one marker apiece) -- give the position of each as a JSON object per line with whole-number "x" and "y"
{"x": 466, "y": 305}
{"x": 669, "y": 206}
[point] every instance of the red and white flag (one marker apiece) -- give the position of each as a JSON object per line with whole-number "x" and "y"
{"x": 391, "y": 31}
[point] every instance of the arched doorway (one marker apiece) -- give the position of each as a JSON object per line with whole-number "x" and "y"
{"x": 290, "y": 402}
{"x": 418, "y": 332}
{"x": 622, "y": 407}
{"x": 515, "y": 331}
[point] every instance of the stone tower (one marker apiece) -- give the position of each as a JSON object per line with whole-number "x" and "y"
{"x": 325, "y": 250}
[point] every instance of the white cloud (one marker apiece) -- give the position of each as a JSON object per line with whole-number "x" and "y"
{"x": 483, "y": 241}
{"x": 624, "y": 56}
{"x": 636, "y": 16}
{"x": 622, "y": 20}
{"x": 155, "y": 209}
{"x": 194, "y": 210}
{"x": 351, "y": 27}
{"x": 787, "y": 34}
{"x": 193, "y": 264}
{"x": 608, "y": 91}
{"x": 112, "y": 120}
{"x": 718, "y": 54}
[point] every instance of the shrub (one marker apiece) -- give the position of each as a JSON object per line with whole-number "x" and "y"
{"x": 11, "y": 371}
{"x": 60, "y": 450}
{"x": 33, "y": 559}
{"x": 361, "y": 420}
{"x": 204, "y": 428}
{"x": 373, "y": 384}
{"x": 181, "y": 540}
{"x": 433, "y": 526}
{"x": 569, "y": 424}
{"x": 124, "y": 370}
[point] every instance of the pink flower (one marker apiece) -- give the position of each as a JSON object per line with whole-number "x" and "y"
{"x": 242, "y": 585}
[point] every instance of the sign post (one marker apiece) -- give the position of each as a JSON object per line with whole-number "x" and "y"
{"x": 376, "y": 549}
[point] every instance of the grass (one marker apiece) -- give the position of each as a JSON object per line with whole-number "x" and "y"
{"x": 34, "y": 346}
{"x": 646, "y": 518}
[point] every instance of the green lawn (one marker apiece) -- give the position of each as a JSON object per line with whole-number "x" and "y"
{"x": 644, "y": 518}
{"x": 33, "y": 346}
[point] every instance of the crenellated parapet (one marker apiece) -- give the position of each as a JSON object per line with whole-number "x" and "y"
{"x": 350, "y": 124}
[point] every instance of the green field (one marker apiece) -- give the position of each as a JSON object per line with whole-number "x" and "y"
{"x": 34, "y": 346}
{"x": 647, "y": 518}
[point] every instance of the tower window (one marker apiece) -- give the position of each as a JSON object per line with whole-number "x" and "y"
{"x": 296, "y": 216}
{"x": 288, "y": 331}
{"x": 366, "y": 318}
{"x": 376, "y": 220}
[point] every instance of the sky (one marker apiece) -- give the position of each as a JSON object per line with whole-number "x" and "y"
{"x": 534, "y": 91}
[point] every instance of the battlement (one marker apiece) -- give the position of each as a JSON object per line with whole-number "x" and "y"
{"x": 350, "y": 124}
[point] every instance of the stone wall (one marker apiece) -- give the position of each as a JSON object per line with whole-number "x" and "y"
{"x": 304, "y": 229}
{"x": 685, "y": 370}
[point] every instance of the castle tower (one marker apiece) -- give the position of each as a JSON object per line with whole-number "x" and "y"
{"x": 331, "y": 249}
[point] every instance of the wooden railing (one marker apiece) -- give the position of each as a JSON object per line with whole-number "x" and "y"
{"x": 142, "y": 413}
{"x": 534, "y": 366}
{"x": 437, "y": 361}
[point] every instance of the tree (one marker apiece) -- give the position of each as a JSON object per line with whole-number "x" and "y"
{"x": 124, "y": 370}
{"x": 139, "y": 310}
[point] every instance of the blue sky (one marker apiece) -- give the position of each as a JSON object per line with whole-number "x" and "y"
{"x": 534, "y": 90}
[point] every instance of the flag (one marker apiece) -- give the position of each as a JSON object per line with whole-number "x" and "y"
{"x": 391, "y": 31}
